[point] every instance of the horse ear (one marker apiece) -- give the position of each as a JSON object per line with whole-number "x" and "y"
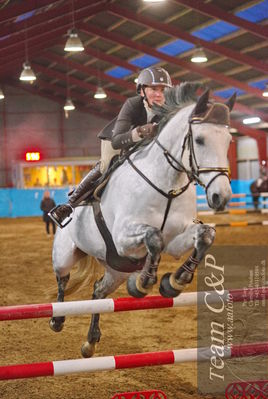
{"x": 201, "y": 105}
{"x": 231, "y": 101}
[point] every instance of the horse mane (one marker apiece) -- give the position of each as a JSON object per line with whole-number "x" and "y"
{"x": 176, "y": 98}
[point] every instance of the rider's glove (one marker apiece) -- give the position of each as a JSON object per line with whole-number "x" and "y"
{"x": 147, "y": 131}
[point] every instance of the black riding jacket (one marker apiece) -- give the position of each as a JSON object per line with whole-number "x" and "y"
{"x": 131, "y": 115}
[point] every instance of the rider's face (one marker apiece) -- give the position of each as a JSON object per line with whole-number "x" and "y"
{"x": 155, "y": 94}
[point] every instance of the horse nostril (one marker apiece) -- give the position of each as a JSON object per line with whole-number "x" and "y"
{"x": 218, "y": 202}
{"x": 216, "y": 199}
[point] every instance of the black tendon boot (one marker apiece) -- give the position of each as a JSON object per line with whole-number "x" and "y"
{"x": 87, "y": 185}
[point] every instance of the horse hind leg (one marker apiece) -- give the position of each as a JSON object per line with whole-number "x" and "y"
{"x": 65, "y": 255}
{"x": 94, "y": 333}
{"x": 56, "y": 323}
{"x": 103, "y": 287}
{"x": 172, "y": 284}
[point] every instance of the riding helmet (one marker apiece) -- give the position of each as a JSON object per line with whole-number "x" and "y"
{"x": 153, "y": 76}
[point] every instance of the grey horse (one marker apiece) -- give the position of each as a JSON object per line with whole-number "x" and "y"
{"x": 149, "y": 204}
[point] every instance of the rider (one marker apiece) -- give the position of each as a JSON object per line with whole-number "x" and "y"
{"x": 134, "y": 122}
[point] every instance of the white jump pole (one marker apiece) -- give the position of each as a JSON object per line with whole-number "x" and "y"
{"x": 128, "y": 304}
{"x": 65, "y": 367}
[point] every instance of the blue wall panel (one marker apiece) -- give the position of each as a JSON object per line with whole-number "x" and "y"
{"x": 17, "y": 202}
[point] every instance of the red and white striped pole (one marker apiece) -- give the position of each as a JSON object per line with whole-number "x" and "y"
{"x": 65, "y": 367}
{"x": 125, "y": 304}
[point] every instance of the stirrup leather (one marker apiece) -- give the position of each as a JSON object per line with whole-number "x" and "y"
{"x": 58, "y": 223}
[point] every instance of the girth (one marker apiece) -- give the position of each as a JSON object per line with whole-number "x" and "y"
{"x": 115, "y": 261}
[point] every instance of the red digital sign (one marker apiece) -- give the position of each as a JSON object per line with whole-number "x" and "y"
{"x": 32, "y": 156}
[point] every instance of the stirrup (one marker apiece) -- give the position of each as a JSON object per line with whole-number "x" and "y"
{"x": 58, "y": 223}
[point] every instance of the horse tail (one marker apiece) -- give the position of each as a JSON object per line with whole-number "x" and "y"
{"x": 88, "y": 270}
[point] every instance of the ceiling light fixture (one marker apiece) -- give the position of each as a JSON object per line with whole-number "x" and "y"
{"x": 100, "y": 93}
{"x": 199, "y": 56}
{"x": 69, "y": 105}
{"x": 27, "y": 74}
{"x": 250, "y": 121}
{"x": 2, "y": 96}
{"x": 73, "y": 42}
{"x": 153, "y": 1}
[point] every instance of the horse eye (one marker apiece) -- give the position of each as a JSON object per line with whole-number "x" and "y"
{"x": 200, "y": 141}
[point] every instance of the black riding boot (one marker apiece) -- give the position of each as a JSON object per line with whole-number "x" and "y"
{"x": 87, "y": 185}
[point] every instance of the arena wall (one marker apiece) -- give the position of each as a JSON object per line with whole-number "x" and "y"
{"x": 29, "y": 122}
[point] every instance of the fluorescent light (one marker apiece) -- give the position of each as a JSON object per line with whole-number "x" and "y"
{"x": 69, "y": 105}
{"x": 73, "y": 42}
{"x": 27, "y": 74}
{"x": 100, "y": 93}
{"x": 153, "y": 1}
{"x": 2, "y": 96}
{"x": 199, "y": 56}
{"x": 249, "y": 121}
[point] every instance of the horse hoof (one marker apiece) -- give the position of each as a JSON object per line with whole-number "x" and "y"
{"x": 56, "y": 326}
{"x": 166, "y": 288}
{"x": 132, "y": 287}
{"x": 88, "y": 350}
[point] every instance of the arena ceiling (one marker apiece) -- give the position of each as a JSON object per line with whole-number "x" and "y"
{"x": 121, "y": 37}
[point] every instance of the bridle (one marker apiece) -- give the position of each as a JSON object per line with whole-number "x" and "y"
{"x": 193, "y": 174}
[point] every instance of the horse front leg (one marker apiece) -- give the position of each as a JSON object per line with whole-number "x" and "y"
{"x": 141, "y": 284}
{"x": 172, "y": 284}
{"x": 130, "y": 243}
{"x": 103, "y": 287}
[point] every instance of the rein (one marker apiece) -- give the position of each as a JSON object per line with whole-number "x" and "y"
{"x": 193, "y": 174}
{"x": 170, "y": 195}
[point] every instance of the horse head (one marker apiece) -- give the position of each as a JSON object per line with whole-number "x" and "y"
{"x": 204, "y": 139}
{"x": 209, "y": 141}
